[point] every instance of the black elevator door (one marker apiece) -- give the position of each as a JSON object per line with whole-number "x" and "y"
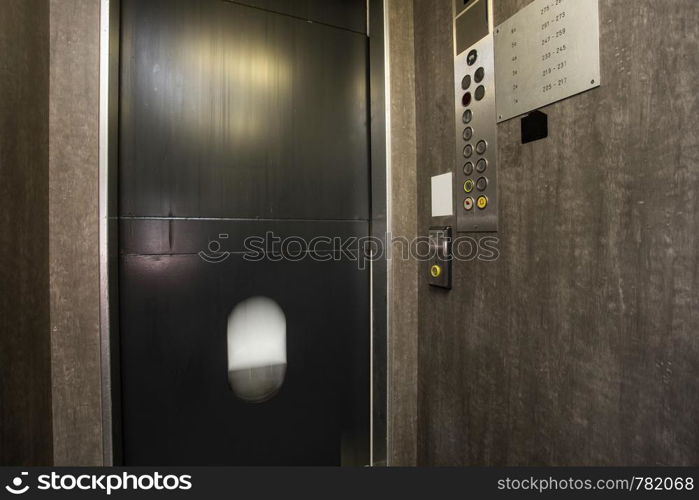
{"x": 239, "y": 120}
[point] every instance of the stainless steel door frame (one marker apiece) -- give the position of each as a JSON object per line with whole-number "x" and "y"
{"x": 108, "y": 232}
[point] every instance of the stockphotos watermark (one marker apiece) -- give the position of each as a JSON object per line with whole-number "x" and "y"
{"x": 362, "y": 250}
{"x": 106, "y": 483}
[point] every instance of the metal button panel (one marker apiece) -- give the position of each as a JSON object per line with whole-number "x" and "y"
{"x": 476, "y": 134}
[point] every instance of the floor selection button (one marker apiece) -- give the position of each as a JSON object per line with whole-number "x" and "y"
{"x": 466, "y": 99}
{"x": 468, "y": 151}
{"x": 469, "y": 185}
{"x": 468, "y": 116}
{"x": 466, "y": 82}
{"x": 468, "y": 169}
{"x": 472, "y": 57}
{"x": 480, "y": 74}
{"x": 482, "y": 202}
{"x": 468, "y": 204}
{"x": 482, "y": 184}
{"x": 482, "y": 165}
{"x": 480, "y": 93}
{"x": 468, "y": 134}
{"x": 481, "y": 147}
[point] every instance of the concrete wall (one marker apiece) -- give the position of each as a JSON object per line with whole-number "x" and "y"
{"x": 74, "y": 232}
{"x": 403, "y": 295}
{"x": 25, "y": 365}
{"x": 580, "y": 345}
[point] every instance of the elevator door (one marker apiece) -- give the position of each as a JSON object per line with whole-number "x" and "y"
{"x": 238, "y": 120}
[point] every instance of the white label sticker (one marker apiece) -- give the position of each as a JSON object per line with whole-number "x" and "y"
{"x": 442, "y": 198}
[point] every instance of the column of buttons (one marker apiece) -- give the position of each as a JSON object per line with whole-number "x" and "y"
{"x": 481, "y": 165}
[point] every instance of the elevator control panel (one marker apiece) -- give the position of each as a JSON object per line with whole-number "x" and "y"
{"x": 476, "y": 117}
{"x": 440, "y": 257}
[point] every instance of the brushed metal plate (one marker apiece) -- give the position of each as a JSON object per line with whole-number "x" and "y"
{"x": 484, "y": 126}
{"x": 547, "y": 52}
{"x": 474, "y": 90}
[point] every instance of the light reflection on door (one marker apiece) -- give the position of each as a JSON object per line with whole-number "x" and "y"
{"x": 256, "y": 349}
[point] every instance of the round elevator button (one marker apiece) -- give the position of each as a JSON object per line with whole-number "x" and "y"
{"x": 468, "y": 134}
{"x": 482, "y": 165}
{"x": 468, "y": 151}
{"x": 472, "y": 57}
{"x": 480, "y": 93}
{"x": 481, "y": 147}
{"x": 482, "y": 184}
{"x": 468, "y": 186}
{"x": 468, "y": 116}
{"x": 436, "y": 271}
{"x": 466, "y": 82}
{"x": 468, "y": 169}
{"x": 468, "y": 204}
{"x": 480, "y": 74}
{"x": 466, "y": 99}
{"x": 482, "y": 202}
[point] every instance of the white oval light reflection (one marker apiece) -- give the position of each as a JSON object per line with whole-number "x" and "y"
{"x": 256, "y": 349}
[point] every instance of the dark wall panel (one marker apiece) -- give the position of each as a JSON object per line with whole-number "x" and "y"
{"x": 236, "y": 121}
{"x": 580, "y": 345}
{"x": 178, "y": 407}
{"x": 74, "y": 233}
{"x": 403, "y": 293}
{"x": 231, "y": 111}
{"x": 25, "y": 343}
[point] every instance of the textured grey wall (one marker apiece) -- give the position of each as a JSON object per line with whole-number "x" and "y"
{"x": 403, "y": 294}
{"x": 74, "y": 237}
{"x": 25, "y": 364}
{"x": 580, "y": 345}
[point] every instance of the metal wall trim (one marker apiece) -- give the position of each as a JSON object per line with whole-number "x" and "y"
{"x": 380, "y": 207}
{"x": 108, "y": 245}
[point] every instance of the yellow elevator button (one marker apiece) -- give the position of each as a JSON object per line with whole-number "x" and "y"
{"x": 482, "y": 202}
{"x": 436, "y": 271}
{"x": 469, "y": 185}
